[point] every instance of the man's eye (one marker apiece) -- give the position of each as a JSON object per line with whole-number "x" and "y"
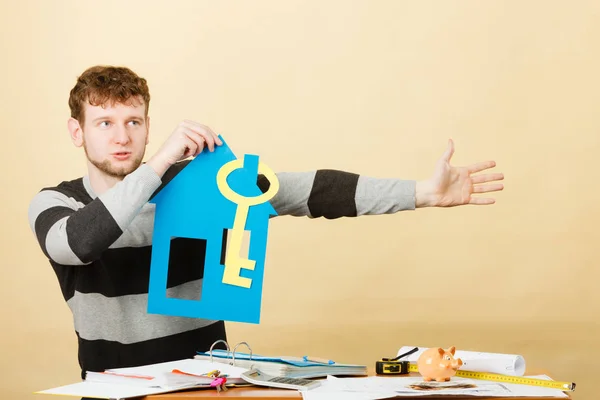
{"x": 134, "y": 122}
{"x": 104, "y": 124}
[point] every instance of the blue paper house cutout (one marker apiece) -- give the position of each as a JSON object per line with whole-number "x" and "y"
{"x": 192, "y": 206}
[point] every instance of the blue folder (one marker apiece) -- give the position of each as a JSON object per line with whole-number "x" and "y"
{"x": 295, "y": 361}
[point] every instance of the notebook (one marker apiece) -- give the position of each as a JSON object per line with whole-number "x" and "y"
{"x": 284, "y": 366}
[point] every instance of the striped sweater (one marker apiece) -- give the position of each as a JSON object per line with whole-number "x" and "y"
{"x": 100, "y": 250}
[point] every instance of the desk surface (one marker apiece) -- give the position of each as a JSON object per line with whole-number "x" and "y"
{"x": 257, "y": 392}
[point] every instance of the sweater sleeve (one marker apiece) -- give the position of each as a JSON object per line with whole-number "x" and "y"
{"x": 71, "y": 233}
{"x": 333, "y": 194}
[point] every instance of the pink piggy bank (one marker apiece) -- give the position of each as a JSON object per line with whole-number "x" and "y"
{"x": 438, "y": 364}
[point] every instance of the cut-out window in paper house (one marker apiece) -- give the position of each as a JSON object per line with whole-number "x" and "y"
{"x": 213, "y": 194}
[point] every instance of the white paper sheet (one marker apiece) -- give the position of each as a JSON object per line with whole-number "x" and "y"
{"x": 387, "y": 387}
{"x": 102, "y": 390}
{"x": 506, "y": 364}
{"x": 191, "y": 366}
{"x": 164, "y": 382}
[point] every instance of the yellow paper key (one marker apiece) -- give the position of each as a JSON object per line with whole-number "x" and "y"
{"x": 233, "y": 262}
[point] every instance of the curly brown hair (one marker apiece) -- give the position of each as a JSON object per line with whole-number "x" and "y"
{"x": 100, "y": 84}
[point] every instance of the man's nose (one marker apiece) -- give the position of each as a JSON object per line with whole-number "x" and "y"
{"x": 121, "y": 135}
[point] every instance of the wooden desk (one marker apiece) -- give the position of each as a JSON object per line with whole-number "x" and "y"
{"x": 258, "y": 393}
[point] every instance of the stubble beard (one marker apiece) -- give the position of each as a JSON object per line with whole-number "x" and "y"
{"x": 109, "y": 169}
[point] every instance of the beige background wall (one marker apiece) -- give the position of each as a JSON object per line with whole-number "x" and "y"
{"x": 375, "y": 87}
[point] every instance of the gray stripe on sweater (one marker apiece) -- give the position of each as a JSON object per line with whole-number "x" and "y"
{"x": 57, "y": 244}
{"x": 47, "y": 199}
{"x": 384, "y": 196}
{"x": 125, "y": 319}
{"x": 139, "y": 233}
{"x": 133, "y": 192}
{"x": 293, "y": 194}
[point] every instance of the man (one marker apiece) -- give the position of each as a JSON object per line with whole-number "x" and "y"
{"x": 97, "y": 230}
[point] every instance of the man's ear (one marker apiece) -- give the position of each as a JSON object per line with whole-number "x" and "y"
{"x": 147, "y": 130}
{"x": 75, "y": 132}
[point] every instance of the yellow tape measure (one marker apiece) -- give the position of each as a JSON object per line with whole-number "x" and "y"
{"x": 487, "y": 376}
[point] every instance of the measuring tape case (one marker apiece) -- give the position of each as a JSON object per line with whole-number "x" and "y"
{"x": 392, "y": 367}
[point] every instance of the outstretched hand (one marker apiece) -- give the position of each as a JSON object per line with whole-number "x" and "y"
{"x": 454, "y": 186}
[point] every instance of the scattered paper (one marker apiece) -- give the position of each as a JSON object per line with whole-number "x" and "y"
{"x": 102, "y": 390}
{"x": 190, "y": 366}
{"x": 388, "y": 387}
{"x": 163, "y": 380}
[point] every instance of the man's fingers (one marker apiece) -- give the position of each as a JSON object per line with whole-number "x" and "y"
{"x": 206, "y": 136}
{"x": 215, "y": 136}
{"x": 194, "y": 142}
{"x": 481, "y": 166}
{"x": 481, "y": 201}
{"x": 488, "y": 188}
{"x": 209, "y": 136}
{"x": 449, "y": 151}
{"x": 199, "y": 131}
{"x": 196, "y": 138}
{"x": 191, "y": 148}
{"x": 487, "y": 178}
{"x": 203, "y": 129}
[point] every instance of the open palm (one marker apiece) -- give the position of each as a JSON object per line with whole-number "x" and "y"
{"x": 454, "y": 186}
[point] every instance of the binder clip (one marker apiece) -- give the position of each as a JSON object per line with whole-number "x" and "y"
{"x": 391, "y": 366}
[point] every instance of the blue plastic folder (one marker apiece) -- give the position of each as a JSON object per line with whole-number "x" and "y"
{"x": 292, "y": 367}
{"x": 295, "y": 361}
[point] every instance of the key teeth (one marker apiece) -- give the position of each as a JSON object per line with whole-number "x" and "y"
{"x": 234, "y": 278}
{"x": 239, "y": 281}
{"x": 247, "y": 264}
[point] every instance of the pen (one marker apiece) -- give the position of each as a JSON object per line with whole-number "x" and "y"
{"x": 178, "y": 371}
{"x": 208, "y": 374}
{"x": 128, "y": 375}
{"x": 317, "y": 360}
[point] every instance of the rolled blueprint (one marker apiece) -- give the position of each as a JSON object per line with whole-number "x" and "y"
{"x": 497, "y": 363}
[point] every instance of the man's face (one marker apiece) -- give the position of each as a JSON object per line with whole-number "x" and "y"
{"x": 115, "y": 137}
